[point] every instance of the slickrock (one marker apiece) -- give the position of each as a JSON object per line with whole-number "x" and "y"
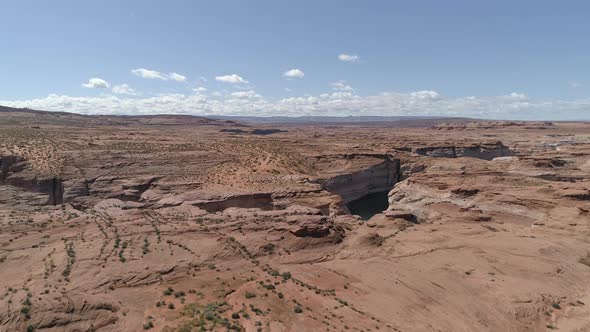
{"x": 173, "y": 223}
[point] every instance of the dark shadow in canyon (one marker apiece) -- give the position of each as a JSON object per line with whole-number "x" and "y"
{"x": 368, "y": 206}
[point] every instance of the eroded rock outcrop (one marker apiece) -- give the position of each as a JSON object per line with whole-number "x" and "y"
{"x": 15, "y": 171}
{"x": 486, "y": 151}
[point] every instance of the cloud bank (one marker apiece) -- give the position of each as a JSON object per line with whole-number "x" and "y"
{"x": 342, "y": 86}
{"x": 340, "y": 102}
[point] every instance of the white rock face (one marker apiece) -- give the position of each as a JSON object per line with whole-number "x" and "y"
{"x": 376, "y": 178}
{"x": 505, "y": 159}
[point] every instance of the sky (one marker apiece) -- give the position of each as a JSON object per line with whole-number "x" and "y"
{"x": 488, "y": 59}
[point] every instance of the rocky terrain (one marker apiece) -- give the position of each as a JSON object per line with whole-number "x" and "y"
{"x": 175, "y": 223}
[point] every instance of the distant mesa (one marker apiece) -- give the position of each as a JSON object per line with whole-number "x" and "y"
{"x": 477, "y": 125}
{"x": 25, "y": 116}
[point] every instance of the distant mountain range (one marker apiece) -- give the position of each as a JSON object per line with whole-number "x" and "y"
{"x": 388, "y": 121}
{"x": 30, "y": 117}
{"x": 340, "y": 119}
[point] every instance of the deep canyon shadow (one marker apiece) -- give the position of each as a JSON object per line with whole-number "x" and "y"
{"x": 369, "y": 205}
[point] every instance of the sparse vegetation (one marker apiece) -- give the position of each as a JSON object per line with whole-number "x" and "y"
{"x": 71, "y": 258}
{"x": 122, "y": 251}
{"x": 146, "y": 246}
{"x": 168, "y": 291}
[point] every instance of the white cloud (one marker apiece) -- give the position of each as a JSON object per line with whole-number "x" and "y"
{"x": 154, "y": 74}
{"x": 337, "y": 103}
{"x": 575, "y": 85}
{"x": 96, "y": 83}
{"x": 177, "y": 77}
{"x": 233, "y": 78}
{"x": 517, "y": 96}
{"x": 341, "y": 86}
{"x": 425, "y": 95}
{"x": 124, "y": 89}
{"x": 146, "y": 73}
{"x": 348, "y": 57}
{"x": 294, "y": 73}
{"x": 244, "y": 94}
{"x": 200, "y": 89}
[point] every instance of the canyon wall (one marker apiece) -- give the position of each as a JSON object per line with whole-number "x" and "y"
{"x": 486, "y": 151}
{"x": 14, "y": 171}
{"x": 376, "y": 178}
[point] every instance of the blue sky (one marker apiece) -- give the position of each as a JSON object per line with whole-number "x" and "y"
{"x": 496, "y": 59}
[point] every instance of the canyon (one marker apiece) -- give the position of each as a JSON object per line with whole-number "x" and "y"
{"x": 179, "y": 223}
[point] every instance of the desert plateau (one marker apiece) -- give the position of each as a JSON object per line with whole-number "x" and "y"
{"x": 181, "y": 223}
